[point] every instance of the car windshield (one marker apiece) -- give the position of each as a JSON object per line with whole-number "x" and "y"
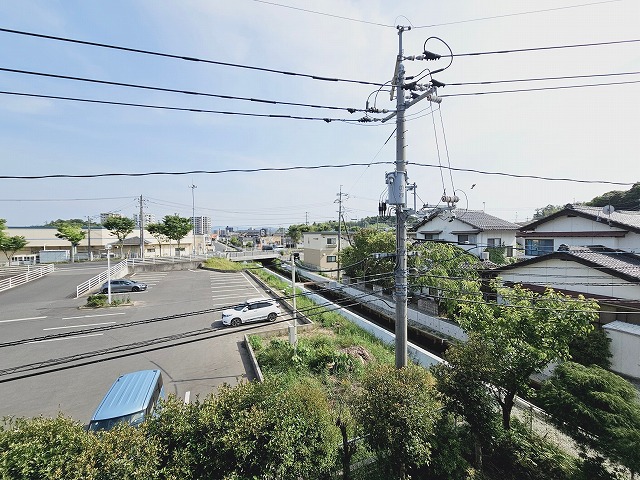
{"x": 134, "y": 419}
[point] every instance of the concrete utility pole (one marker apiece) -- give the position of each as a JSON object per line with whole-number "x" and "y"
{"x": 397, "y": 186}
{"x": 193, "y": 216}
{"x": 141, "y": 229}
{"x": 339, "y": 195}
{"x": 89, "y": 256}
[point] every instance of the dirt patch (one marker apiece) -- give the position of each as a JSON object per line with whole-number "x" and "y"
{"x": 358, "y": 352}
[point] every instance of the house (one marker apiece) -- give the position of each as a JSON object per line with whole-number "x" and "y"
{"x": 578, "y": 225}
{"x": 320, "y": 251}
{"x": 472, "y": 230}
{"x": 610, "y": 276}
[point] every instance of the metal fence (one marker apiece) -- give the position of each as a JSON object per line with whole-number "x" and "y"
{"x": 93, "y": 283}
{"x": 28, "y": 273}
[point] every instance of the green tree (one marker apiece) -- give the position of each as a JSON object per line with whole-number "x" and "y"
{"x": 358, "y": 261}
{"x": 10, "y": 245}
{"x": 598, "y": 409}
{"x": 176, "y": 227}
{"x": 523, "y": 334}
{"x": 121, "y": 227}
{"x": 157, "y": 230}
{"x": 272, "y": 430}
{"x": 593, "y": 349}
{"x": 78, "y": 222}
{"x": 448, "y": 271}
{"x": 73, "y": 234}
{"x": 461, "y": 380}
{"x": 398, "y": 408}
{"x": 621, "y": 200}
{"x": 546, "y": 211}
{"x": 295, "y": 232}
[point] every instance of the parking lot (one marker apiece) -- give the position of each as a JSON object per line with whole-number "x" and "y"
{"x": 174, "y": 326}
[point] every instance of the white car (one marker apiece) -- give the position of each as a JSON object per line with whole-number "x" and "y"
{"x": 253, "y": 310}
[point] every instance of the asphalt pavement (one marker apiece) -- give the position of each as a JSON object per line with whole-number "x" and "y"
{"x": 195, "y": 353}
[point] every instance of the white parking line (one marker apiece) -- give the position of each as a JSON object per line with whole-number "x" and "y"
{"x": 187, "y": 396}
{"x": 22, "y": 319}
{"x": 78, "y": 326}
{"x": 69, "y": 338}
{"x": 225, "y": 296}
{"x": 93, "y": 316}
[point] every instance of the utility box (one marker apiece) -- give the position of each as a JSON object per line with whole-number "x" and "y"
{"x": 54, "y": 256}
{"x": 625, "y": 347}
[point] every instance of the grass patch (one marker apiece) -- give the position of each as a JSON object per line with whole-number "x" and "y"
{"x": 227, "y": 265}
{"x": 100, "y": 300}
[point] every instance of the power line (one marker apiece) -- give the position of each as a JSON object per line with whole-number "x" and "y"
{"x": 537, "y": 49}
{"x": 180, "y": 109}
{"x": 538, "y": 89}
{"x": 514, "y": 175}
{"x": 325, "y": 14}
{"x": 174, "y": 90}
{"x": 516, "y": 14}
{"x": 567, "y": 77}
{"x": 187, "y": 58}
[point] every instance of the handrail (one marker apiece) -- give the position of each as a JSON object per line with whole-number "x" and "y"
{"x": 32, "y": 273}
{"x": 92, "y": 283}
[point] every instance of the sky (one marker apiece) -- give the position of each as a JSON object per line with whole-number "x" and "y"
{"x": 492, "y": 142}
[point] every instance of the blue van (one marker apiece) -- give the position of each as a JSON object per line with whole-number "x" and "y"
{"x": 132, "y": 398}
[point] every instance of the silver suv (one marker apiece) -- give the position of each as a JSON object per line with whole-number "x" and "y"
{"x": 253, "y": 310}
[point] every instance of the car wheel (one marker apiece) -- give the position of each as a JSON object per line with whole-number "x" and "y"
{"x": 104, "y": 290}
{"x": 272, "y": 317}
{"x": 236, "y": 322}
{"x": 135, "y": 289}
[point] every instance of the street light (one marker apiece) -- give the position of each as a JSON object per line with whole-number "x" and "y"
{"x": 108, "y": 247}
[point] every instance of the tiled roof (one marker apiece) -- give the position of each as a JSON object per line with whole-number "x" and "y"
{"x": 623, "y": 262}
{"x": 484, "y": 221}
{"x": 624, "y": 217}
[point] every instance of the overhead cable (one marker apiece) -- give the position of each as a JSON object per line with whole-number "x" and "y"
{"x": 180, "y": 109}
{"x": 174, "y": 90}
{"x": 538, "y": 89}
{"x": 538, "y": 49}
{"x": 566, "y": 77}
{"x": 187, "y": 58}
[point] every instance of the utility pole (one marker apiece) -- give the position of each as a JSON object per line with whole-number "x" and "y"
{"x": 397, "y": 186}
{"x": 89, "y": 257}
{"x": 339, "y": 195}
{"x": 141, "y": 222}
{"x": 193, "y": 215}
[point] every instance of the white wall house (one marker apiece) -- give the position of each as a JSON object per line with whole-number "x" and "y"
{"x": 577, "y": 225}
{"x": 472, "y": 230}
{"x": 320, "y": 250}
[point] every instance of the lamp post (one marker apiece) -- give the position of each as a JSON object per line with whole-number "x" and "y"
{"x": 108, "y": 247}
{"x": 193, "y": 216}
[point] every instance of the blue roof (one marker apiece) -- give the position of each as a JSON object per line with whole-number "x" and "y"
{"x": 130, "y": 393}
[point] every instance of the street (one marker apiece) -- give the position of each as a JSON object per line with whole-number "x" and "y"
{"x": 199, "y": 356}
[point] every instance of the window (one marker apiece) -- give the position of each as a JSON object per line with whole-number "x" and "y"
{"x": 535, "y": 247}
{"x": 466, "y": 239}
{"x": 331, "y": 259}
{"x": 494, "y": 242}
{"x": 332, "y": 241}
{"x": 429, "y": 236}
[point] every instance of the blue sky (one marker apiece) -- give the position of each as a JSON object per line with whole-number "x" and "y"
{"x": 577, "y": 133}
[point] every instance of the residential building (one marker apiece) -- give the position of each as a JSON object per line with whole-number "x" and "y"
{"x": 148, "y": 218}
{"x": 201, "y": 225}
{"x": 105, "y": 216}
{"x": 320, "y": 251}
{"x": 472, "y": 230}
{"x": 578, "y": 225}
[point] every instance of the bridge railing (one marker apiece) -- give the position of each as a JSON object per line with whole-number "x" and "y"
{"x": 29, "y": 273}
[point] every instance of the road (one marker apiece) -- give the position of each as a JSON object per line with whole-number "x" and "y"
{"x": 195, "y": 368}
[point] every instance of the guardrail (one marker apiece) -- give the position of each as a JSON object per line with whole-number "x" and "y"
{"x": 92, "y": 283}
{"x": 31, "y": 273}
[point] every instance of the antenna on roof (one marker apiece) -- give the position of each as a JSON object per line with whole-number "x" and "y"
{"x": 608, "y": 210}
